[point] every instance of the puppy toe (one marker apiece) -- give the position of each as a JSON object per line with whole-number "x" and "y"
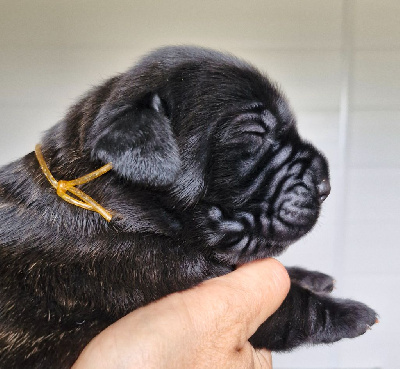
{"x": 315, "y": 281}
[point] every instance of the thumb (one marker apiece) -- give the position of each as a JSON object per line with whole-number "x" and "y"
{"x": 241, "y": 300}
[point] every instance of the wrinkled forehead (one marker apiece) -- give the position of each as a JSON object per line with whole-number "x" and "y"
{"x": 214, "y": 88}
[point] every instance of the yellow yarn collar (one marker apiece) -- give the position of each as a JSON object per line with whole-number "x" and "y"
{"x": 62, "y": 187}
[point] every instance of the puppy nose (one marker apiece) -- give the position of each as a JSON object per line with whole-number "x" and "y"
{"x": 324, "y": 189}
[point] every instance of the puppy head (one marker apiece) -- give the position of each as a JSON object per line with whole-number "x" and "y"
{"x": 262, "y": 185}
{"x": 223, "y": 140}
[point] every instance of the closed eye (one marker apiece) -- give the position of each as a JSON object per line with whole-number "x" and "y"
{"x": 255, "y": 135}
{"x": 255, "y": 129}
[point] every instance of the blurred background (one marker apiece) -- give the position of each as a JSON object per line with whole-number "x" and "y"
{"x": 337, "y": 61}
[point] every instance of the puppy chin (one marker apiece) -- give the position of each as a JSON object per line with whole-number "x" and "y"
{"x": 241, "y": 237}
{"x": 235, "y": 256}
{"x": 289, "y": 233}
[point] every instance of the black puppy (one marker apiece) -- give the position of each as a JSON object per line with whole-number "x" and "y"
{"x": 208, "y": 171}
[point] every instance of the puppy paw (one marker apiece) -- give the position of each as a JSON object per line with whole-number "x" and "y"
{"x": 343, "y": 319}
{"x": 354, "y": 318}
{"x": 306, "y": 317}
{"x": 315, "y": 281}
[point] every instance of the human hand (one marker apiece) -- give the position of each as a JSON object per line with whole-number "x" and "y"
{"x": 207, "y": 326}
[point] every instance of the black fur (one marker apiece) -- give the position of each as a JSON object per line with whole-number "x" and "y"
{"x": 208, "y": 172}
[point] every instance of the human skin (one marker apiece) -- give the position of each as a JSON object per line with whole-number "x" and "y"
{"x": 205, "y": 327}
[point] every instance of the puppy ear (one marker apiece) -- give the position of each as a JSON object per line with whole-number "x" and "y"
{"x": 138, "y": 141}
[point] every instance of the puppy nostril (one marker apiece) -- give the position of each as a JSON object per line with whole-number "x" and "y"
{"x": 324, "y": 189}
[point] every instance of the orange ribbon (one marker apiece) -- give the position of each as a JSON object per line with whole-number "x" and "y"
{"x": 62, "y": 187}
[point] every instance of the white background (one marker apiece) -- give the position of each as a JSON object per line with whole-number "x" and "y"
{"x": 337, "y": 61}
